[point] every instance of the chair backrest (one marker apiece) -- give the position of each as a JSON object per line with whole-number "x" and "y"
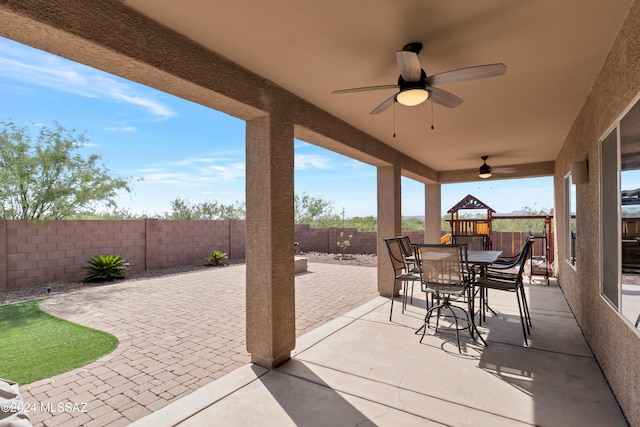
{"x": 524, "y": 256}
{"x": 519, "y": 263}
{"x": 407, "y": 247}
{"x": 443, "y": 265}
{"x": 396, "y": 253}
{"x": 474, "y": 242}
{"x": 525, "y": 251}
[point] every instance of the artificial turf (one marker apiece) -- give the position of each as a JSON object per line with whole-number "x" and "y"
{"x": 35, "y": 345}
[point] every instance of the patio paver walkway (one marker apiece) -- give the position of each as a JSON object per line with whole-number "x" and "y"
{"x": 176, "y": 334}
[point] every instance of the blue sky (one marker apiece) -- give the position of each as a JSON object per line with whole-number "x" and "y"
{"x": 181, "y": 149}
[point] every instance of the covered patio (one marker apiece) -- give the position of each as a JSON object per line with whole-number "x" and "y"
{"x": 361, "y": 369}
{"x": 573, "y": 69}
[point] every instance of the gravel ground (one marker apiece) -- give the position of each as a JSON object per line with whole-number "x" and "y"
{"x": 40, "y": 290}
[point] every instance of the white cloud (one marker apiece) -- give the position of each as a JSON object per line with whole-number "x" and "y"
{"x": 194, "y": 172}
{"x": 39, "y": 68}
{"x": 225, "y": 172}
{"x": 121, "y": 129}
{"x": 193, "y": 161}
{"x": 312, "y": 161}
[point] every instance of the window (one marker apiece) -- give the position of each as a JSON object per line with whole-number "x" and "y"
{"x": 620, "y": 190}
{"x": 570, "y": 203}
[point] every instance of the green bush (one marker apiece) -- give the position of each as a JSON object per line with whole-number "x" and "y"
{"x": 215, "y": 258}
{"x": 105, "y": 267}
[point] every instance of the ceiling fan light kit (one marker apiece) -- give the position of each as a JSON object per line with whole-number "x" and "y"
{"x": 412, "y": 97}
{"x": 485, "y": 169}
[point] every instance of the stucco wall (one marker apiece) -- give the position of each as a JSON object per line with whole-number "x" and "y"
{"x": 614, "y": 342}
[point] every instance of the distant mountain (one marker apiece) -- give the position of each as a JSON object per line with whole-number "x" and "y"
{"x": 519, "y": 212}
{"x": 513, "y": 213}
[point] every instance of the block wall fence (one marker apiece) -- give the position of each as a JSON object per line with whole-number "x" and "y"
{"x": 38, "y": 253}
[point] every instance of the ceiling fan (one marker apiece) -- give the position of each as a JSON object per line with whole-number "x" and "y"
{"x": 415, "y": 86}
{"x": 486, "y": 171}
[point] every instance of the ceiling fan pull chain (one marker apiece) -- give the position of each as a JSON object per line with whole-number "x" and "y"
{"x": 394, "y": 119}
{"x": 432, "y": 127}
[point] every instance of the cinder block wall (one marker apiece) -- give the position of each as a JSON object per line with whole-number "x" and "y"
{"x": 33, "y": 253}
{"x": 37, "y": 253}
{"x": 326, "y": 239}
{"x": 57, "y": 250}
{"x": 182, "y": 242}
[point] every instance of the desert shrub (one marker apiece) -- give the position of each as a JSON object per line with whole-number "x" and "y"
{"x": 215, "y": 257}
{"x": 105, "y": 267}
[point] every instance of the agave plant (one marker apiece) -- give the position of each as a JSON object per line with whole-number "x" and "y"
{"x": 105, "y": 267}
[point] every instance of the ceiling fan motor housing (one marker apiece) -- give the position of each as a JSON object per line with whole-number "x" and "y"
{"x": 485, "y": 169}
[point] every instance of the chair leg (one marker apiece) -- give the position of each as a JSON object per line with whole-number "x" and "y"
{"x": 445, "y": 304}
{"x": 427, "y": 319}
{"x": 455, "y": 318}
{"x": 393, "y": 293}
{"x": 404, "y": 295}
{"x": 470, "y": 320}
{"x": 526, "y": 306}
{"x": 525, "y": 311}
{"x": 439, "y": 308}
{"x": 472, "y": 327}
{"x": 523, "y": 322}
{"x": 486, "y": 302}
{"x": 427, "y": 316}
{"x": 413, "y": 285}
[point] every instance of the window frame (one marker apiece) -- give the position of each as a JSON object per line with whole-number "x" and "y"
{"x": 569, "y": 191}
{"x": 606, "y": 215}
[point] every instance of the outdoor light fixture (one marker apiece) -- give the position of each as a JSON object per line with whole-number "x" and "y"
{"x": 413, "y": 96}
{"x": 485, "y": 169}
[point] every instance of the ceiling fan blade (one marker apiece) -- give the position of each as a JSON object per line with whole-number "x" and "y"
{"x": 505, "y": 169}
{"x": 363, "y": 89}
{"x": 409, "y": 65}
{"x": 469, "y": 73}
{"x": 444, "y": 98}
{"x": 386, "y": 104}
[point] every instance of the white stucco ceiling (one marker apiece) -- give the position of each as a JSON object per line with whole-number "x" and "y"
{"x": 553, "y": 51}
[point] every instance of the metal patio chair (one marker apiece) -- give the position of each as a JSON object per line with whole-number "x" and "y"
{"x": 444, "y": 269}
{"x": 401, "y": 270}
{"x": 509, "y": 281}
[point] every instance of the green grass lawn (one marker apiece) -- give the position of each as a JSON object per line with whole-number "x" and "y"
{"x": 35, "y": 345}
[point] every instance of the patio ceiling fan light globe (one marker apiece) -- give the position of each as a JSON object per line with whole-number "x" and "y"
{"x": 484, "y": 172}
{"x": 412, "y": 97}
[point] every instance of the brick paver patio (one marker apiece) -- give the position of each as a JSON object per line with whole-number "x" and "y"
{"x": 176, "y": 334}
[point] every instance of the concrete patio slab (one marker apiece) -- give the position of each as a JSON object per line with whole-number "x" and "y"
{"x": 365, "y": 370}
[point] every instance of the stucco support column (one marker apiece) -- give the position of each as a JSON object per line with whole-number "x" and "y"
{"x": 432, "y": 216}
{"x": 269, "y": 240}
{"x": 389, "y": 223}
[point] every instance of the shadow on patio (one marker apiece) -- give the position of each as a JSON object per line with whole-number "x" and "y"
{"x": 361, "y": 369}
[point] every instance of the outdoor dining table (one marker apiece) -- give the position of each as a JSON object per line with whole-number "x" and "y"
{"x": 479, "y": 260}
{"x": 482, "y": 258}
{"x": 475, "y": 258}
